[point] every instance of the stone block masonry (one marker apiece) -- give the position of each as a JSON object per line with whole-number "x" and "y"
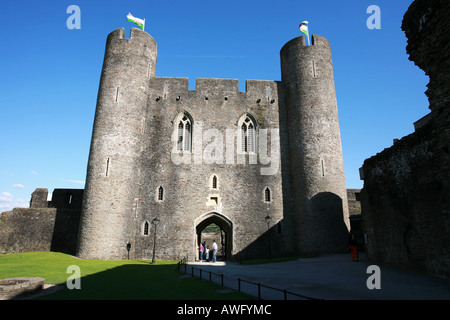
{"x": 190, "y": 158}
{"x": 264, "y": 165}
{"x": 406, "y": 196}
{"x": 45, "y": 226}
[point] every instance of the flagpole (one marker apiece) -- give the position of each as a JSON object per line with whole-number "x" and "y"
{"x": 308, "y": 35}
{"x": 305, "y": 30}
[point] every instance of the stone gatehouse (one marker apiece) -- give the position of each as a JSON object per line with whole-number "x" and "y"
{"x": 265, "y": 165}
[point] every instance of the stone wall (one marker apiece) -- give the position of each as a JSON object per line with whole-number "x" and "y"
{"x": 137, "y": 175}
{"x": 405, "y": 205}
{"x": 54, "y": 227}
{"x": 113, "y": 166}
{"x": 46, "y": 226}
{"x": 317, "y": 178}
{"x": 27, "y": 229}
{"x": 406, "y": 194}
{"x": 215, "y": 107}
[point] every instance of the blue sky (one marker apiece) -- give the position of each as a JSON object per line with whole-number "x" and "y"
{"x": 50, "y": 75}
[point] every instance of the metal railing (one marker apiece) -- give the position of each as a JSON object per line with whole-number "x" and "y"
{"x": 183, "y": 265}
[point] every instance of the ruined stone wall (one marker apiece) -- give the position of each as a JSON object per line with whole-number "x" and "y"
{"x": 354, "y": 203}
{"x": 45, "y": 226}
{"x": 406, "y": 194}
{"x": 405, "y": 205}
{"x": 26, "y": 229}
{"x": 39, "y": 229}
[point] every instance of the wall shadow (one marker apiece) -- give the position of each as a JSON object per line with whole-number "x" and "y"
{"x": 68, "y": 204}
{"x": 322, "y": 232}
{"x": 137, "y": 282}
{"x": 331, "y": 233}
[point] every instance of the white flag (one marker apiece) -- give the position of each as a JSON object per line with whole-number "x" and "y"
{"x": 139, "y": 22}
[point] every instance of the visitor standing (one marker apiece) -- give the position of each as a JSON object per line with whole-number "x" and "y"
{"x": 204, "y": 250}
{"x": 214, "y": 248}
{"x": 200, "y": 252}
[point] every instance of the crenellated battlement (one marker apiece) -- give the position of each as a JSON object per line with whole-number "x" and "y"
{"x": 316, "y": 41}
{"x": 210, "y": 87}
{"x": 135, "y": 33}
{"x": 139, "y": 41}
{"x": 215, "y": 85}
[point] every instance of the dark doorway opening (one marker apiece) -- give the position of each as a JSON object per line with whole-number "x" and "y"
{"x": 215, "y": 227}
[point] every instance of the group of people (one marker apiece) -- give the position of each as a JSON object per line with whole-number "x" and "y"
{"x": 204, "y": 252}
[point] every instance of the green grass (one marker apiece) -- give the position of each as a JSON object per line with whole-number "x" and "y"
{"x": 104, "y": 280}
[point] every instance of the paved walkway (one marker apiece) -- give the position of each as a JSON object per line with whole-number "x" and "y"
{"x": 329, "y": 277}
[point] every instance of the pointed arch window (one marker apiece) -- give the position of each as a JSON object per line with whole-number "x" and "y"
{"x": 214, "y": 182}
{"x": 247, "y": 134}
{"x": 184, "y": 134}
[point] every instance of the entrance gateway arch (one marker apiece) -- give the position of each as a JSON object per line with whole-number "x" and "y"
{"x": 224, "y": 224}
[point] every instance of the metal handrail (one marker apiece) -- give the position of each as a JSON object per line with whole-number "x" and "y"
{"x": 258, "y": 284}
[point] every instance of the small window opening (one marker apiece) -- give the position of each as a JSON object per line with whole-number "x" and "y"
{"x": 314, "y": 72}
{"x": 323, "y": 167}
{"x": 279, "y": 228}
{"x": 136, "y": 204}
{"x": 146, "y": 228}
{"x": 142, "y": 125}
{"x": 165, "y": 90}
{"x": 215, "y": 200}
{"x": 160, "y": 193}
{"x": 107, "y": 167}
{"x": 214, "y": 182}
{"x": 267, "y": 196}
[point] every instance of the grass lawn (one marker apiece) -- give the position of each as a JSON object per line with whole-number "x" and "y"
{"x": 124, "y": 279}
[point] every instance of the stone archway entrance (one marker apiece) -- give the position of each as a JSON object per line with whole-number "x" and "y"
{"x": 224, "y": 236}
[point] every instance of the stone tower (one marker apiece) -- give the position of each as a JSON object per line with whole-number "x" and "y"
{"x": 113, "y": 166}
{"x": 319, "y": 200}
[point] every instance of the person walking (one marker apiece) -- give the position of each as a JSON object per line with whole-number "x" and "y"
{"x": 353, "y": 247}
{"x": 214, "y": 248}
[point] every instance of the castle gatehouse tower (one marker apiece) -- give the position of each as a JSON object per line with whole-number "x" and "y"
{"x": 320, "y": 210}
{"x": 114, "y": 160}
{"x": 262, "y": 166}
